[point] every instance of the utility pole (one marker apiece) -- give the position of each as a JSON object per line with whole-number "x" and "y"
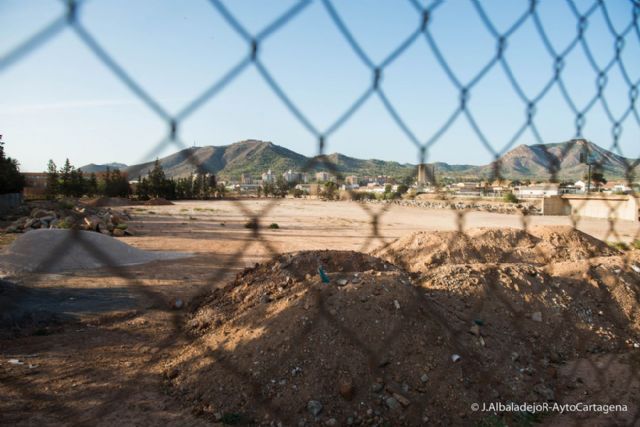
{"x": 587, "y": 158}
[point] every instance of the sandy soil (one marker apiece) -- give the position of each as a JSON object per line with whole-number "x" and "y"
{"x": 107, "y": 368}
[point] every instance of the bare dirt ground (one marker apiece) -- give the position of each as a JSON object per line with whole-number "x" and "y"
{"x": 109, "y": 365}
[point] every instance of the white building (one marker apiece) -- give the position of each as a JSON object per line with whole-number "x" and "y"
{"x": 268, "y": 177}
{"x": 539, "y": 190}
{"x": 322, "y": 176}
{"x": 290, "y": 176}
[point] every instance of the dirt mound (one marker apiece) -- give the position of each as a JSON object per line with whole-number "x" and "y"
{"x": 374, "y": 347}
{"x": 52, "y": 250}
{"x": 103, "y": 202}
{"x": 537, "y": 245}
{"x": 158, "y": 202}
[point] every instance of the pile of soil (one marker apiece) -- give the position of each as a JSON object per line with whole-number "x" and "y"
{"x": 377, "y": 345}
{"x": 103, "y": 202}
{"x": 537, "y": 245}
{"x": 53, "y": 250}
{"x": 158, "y": 202}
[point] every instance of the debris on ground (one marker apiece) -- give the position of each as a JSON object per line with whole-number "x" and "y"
{"x": 159, "y": 201}
{"x": 53, "y": 250}
{"x": 536, "y": 245}
{"x": 74, "y": 216}
{"x": 378, "y": 345}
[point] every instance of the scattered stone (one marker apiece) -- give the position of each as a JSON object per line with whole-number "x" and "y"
{"x": 403, "y": 400}
{"x": 536, "y": 317}
{"x": 314, "y": 407}
{"x": 475, "y": 330}
{"x": 178, "y": 303}
{"x": 424, "y": 378}
{"x": 342, "y": 282}
{"x": 544, "y": 391}
{"x": 455, "y": 358}
{"x": 392, "y": 403}
{"x": 346, "y": 389}
{"x": 377, "y": 387}
{"x": 396, "y": 304}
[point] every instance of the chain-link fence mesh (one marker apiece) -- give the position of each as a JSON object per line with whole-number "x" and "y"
{"x": 420, "y": 307}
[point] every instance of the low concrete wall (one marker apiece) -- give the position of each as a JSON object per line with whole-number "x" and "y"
{"x": 593, "y": 206}
{"x": 10, "y": 201}
{"x": 555, "y": 205}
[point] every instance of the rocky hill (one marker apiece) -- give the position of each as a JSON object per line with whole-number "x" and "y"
{"x": 93, "y": 168}
{"x": 256, "y": 157}
{"x": 537, "y": 161}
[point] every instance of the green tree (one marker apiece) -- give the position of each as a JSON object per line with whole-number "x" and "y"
{"x": 92, "y": 185}
{"x": 11, "y": 180}
{"x": 65, "y": 178}
{"x": 157, "y": 178}
{"x": 330, "y": 190}
{"x": 142, "y": 190}
{"x": 53, "y": 184}
{"x": 76, "y": 183}
{"x": 282, "y": 187}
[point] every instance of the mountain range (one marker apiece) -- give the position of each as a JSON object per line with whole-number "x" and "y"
{"x": 256, "y": 157}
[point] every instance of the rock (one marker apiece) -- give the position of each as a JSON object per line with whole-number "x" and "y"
{"x": 355, "y": 281}
{"x": 31, "y": 222}
{"x": 392, "y": 403}
{"x": 92, "y": 222}
{"x": 424, "y": 378}
{"x": 403, "y": 400}
{"x": 377, "y": 387}
{"x": 265, "y": 299}
{"x": 331, "y": 422}
{"x": 536, "y": 317}
{"x": 475, "y": 330}
{"x": 346, "y": 389}
{"x": 544, "y": 391}
{"x": 455, "y": 358}
{"x": 314, "y": 407}
{"x": 178, "y": 303}
{"x": 342, "y": 282}
{"x": 396, "y": 304}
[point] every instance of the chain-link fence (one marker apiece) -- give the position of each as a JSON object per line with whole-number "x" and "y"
{"x": 428, "y": 297}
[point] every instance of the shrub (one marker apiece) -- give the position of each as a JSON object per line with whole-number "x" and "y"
{"x": 621, "y": 246}
{"x": 636, "y": 244}
{"x": 253, "y": 224}
{"x": 510, "y": 198}
{"x": 65, "y": 204}
{"x": 274, "y": 226}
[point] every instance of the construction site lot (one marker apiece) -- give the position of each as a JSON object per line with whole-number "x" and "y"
{"x": 309, "y": 312}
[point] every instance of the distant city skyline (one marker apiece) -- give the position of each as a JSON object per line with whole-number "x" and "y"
{"x": 60, "y": 101}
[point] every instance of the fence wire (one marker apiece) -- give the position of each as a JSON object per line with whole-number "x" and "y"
{"x": 422, "y": 33}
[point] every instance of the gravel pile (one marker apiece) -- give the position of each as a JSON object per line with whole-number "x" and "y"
{"x": 52, "y": 251}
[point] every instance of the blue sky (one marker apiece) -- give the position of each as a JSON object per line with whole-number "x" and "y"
{"x": 61, "y": 101}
